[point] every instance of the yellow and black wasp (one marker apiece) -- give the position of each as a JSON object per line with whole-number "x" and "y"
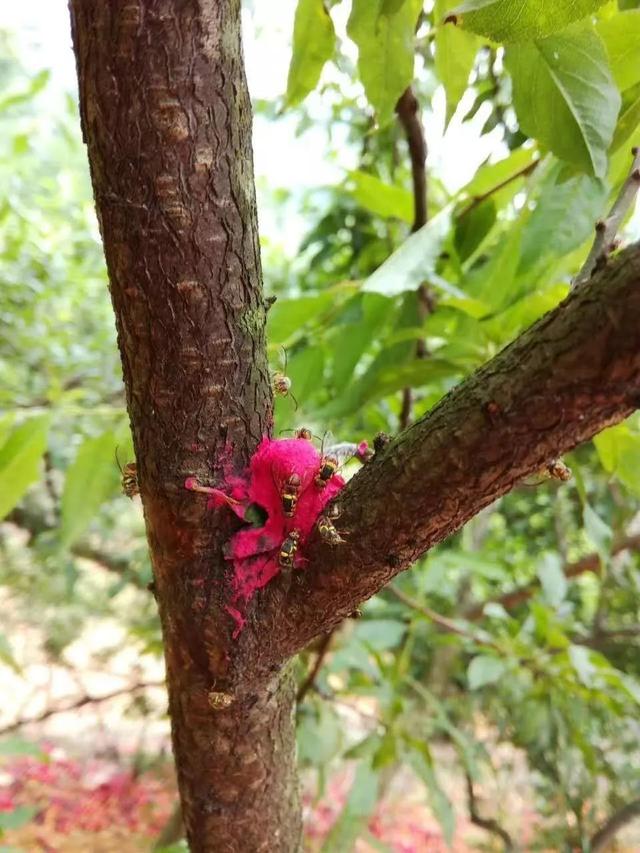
{"x": 288, "y": 550}
{"x": 129, "y": 478}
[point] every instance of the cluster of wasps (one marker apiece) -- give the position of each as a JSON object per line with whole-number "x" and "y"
{"x": 289, "y": 495}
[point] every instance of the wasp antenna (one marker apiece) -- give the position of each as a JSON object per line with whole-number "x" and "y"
{"x": 117, "y": 460}
{"x": 295, "y": 402}
{"x": 284, "y": 353}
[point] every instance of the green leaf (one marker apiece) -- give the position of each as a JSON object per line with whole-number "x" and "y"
{"x": 13, "y": 746}
{"x": 20, "y": 457}
{"x": 319, "y": 735}
{"x": 6, "y": 655}
{"x": 521, "y": 20}
{"x": 414, "y": 261}
{"x": 619, "y": 451}
{"x": 305, "y": 370}
{"x": 492, "y": 175}
{"x": 380, "y": 634}
{"x": 355, "y": 815}
{"x": 598, "y": 531}
{"x": 352, "y": 338}
{"x": 581, "y": 661}
{"x": 288, "y": 316}
{"x": 621, "y": 37}
{"x": 456, "y": 51}
{"x": 422, "y": 763}
{"x": 384, "y": 34}
{"x": 484, "y": 670}
{"x": 17, "y": 818}
{"x": 382, "y": 199}
{"x": 36, "y": 85}
{"x": 473, "y": 227}
{"x": 553, "y": 580}
{"x": 565, "y": 97}
{"x": 563, "y": 218}
{"x": 629, "y": 119}
{"x": 90, "y": 479}
{"x": 314, "y": 41}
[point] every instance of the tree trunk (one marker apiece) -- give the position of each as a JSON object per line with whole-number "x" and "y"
{"x": 167, "y": 121}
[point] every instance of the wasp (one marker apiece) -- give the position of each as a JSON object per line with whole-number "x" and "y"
{"x": 554, "y": 470}
{"x": 328, "y": 467}
{"x": 328, "y": 532}
{"x": 281, "y": 384}
{"x": 301, "y": 432}
{"x": 558, "y": 470}
{"x": 290, "y": 494}
{"x": 288, "y": 550}
{"x": 129, "y": 478}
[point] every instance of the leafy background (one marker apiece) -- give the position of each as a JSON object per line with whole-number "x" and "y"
{"x": 515, "y": 643}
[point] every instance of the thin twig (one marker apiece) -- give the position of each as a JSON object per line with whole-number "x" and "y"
{"x": 606, "y": 229}
{"x": 590, "y": 563}
{"x": 613, "y": 824}
{"x": 408, "y": 111}
{"x": 309, "y": 681}
{"x": 490, "y": 824}
{"x": 441, "y": 621}
{"x": 478, "y": 199}
{"x": 87, "y": 699}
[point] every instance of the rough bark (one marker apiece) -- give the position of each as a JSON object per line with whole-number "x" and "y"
{"x": 166, "y": 117}
{"x": 167, "y": 121}
{"x": 574, "y": 372}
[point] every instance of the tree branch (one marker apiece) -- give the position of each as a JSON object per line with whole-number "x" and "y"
{"x": 490, "y": 824}
{"x": 86, "y": 699}
{"x": 408, "y": 111}
{"x": 321, "y": 653}
{"x": 614, "y": 824}
{"x": 573, "y": 373}
{"x": 590, "y": 563}
{"x": 606, "y": 229}
{"x": 478, "y": 199}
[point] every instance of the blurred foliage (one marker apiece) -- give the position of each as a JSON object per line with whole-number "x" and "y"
{"x": 523, "y": 628}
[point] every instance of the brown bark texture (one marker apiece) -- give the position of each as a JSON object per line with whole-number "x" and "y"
{"x": 166, "y": 117}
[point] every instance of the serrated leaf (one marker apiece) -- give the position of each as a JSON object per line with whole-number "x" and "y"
{"x": 484, "y": 670}
{"x": 521, "y": 20}
{"x": 456, "y": 51}
{"x": 384, "y": 34}
{"x": 20, "y": 457}
{"x": 382, "y": 199}
{"x": 314, "y": 41}
{"x": 621, "y": 37}
{"x": 89, "y": 481}
{"x": 414, "y": 261}
{"x": 565, "y": 96}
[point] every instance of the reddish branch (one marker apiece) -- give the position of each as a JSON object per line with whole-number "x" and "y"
{"x": 408, "y": 112}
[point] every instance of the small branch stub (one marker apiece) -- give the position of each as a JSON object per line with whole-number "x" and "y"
{"x": 606, "y": 229}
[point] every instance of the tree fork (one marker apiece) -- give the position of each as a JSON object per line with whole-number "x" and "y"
{"x": 167, "y": 120}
